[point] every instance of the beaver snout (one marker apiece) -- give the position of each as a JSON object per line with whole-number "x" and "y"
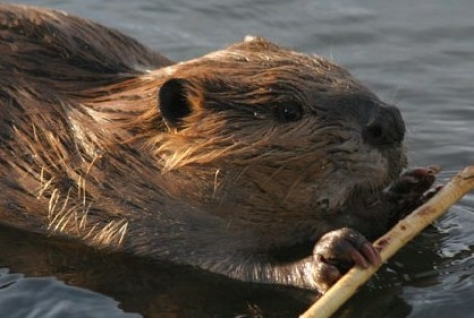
{"x": 385, "y": 129}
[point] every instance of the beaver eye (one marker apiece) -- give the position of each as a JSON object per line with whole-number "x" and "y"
{"x": 289, "y": 112}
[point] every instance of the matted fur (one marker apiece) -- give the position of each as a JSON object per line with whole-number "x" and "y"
{"x": 86, "y": 154}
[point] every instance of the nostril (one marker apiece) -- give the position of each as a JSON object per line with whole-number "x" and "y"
{"x": 374, "y": 131}
{"x": 385, "y": 128}
{"x": 374, "y": 134}
{"x": 384, "y": 131}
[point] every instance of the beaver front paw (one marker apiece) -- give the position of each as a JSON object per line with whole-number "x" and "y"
{"x": 337, "y": 251}
{"x": 412, "y": 189}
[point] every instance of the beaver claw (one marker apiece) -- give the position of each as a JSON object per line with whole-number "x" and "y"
{"x": 339, "y": 250}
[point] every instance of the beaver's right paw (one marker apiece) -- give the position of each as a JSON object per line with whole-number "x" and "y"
{"x": 337, "y": 251}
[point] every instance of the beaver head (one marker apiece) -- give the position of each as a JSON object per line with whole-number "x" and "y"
{"x": 268, "y": 137}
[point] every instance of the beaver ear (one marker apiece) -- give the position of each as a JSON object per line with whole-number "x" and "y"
{"x": 174, "y": 103}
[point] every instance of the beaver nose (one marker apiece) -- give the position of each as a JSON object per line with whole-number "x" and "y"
{"x": 385, "y": 129}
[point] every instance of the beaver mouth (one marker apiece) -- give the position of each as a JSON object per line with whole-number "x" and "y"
{"x": 366, "y": 199}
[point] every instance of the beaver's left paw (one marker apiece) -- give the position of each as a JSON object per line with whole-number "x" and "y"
{"x": 412, "y": 189}
{"x": 339, "y": 250}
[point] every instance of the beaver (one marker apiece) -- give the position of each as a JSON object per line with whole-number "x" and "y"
{"x": 255, "y": 161}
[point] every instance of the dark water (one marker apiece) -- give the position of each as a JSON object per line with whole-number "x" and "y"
{"x": 418, "y": 55}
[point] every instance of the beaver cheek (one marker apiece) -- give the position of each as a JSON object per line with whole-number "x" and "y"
{"x": 321, "y": 205}
{"x": 331, "y": 197}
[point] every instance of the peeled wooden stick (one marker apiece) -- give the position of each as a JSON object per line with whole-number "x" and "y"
{"x": 392, "y": 241}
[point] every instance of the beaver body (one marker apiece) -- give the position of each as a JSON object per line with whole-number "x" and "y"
{"x": 255, "y": 161}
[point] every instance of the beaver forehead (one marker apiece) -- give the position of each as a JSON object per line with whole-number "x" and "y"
{"x": 260, "y": 54}
{"x": 262, "y": 66}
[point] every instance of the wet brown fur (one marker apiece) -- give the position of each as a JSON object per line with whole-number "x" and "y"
{"x": 86, "y": 154}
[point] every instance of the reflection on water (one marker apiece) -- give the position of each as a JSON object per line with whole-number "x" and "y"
{"x": 31, "y": 297}
{"x": 149, "y": 288}
{"x": 419, "y": 55}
